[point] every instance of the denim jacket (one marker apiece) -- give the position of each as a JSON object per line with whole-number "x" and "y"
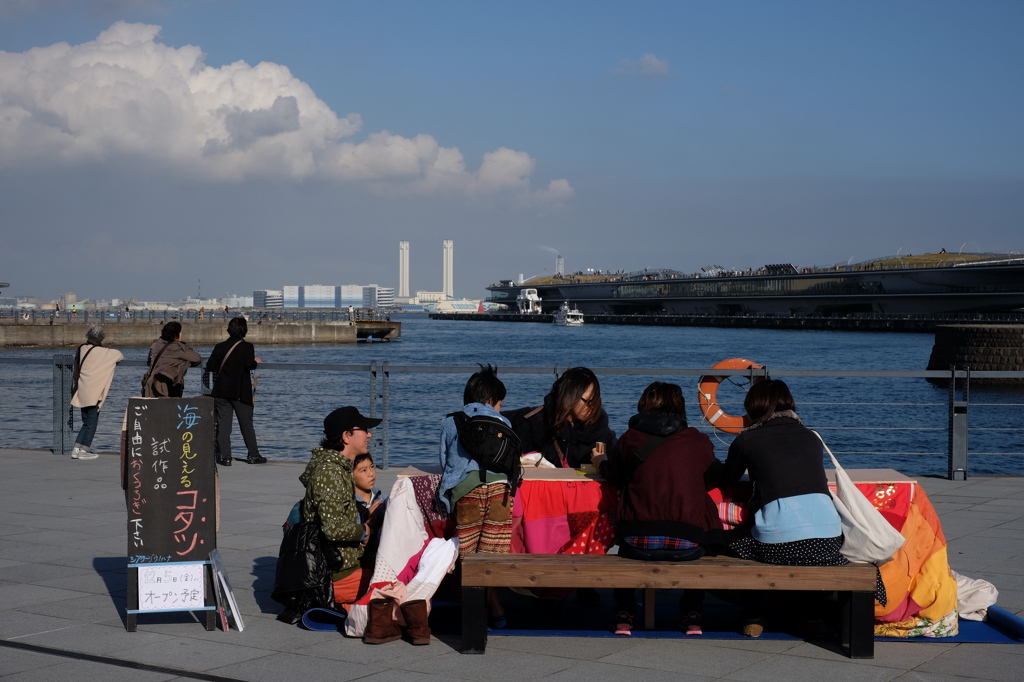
{"x": 456, "y": 463}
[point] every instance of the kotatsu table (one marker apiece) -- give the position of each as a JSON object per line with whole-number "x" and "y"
{"x": 563, "y": 511}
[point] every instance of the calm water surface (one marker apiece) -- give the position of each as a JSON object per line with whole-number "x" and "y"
{"x": 869, "y": 423}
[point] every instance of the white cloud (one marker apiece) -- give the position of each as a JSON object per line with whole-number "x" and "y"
{"x": 126, "y": 94}
{"x": 648, "y": 65}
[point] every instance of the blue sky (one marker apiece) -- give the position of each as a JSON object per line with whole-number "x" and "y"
{"x": 298, "y": 143}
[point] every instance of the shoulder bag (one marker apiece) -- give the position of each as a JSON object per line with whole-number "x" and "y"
{"x": 867, "y": 536}
{"x": 149, "y": 372}
{"x": 79, "y": 361}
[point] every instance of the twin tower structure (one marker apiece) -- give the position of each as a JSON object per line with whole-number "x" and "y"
{"x": 447, "y": 286}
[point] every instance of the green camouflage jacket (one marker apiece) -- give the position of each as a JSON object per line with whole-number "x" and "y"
{"x": 330, "y": 499}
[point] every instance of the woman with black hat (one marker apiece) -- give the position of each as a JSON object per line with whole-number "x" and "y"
{"x": 330, "y": 495}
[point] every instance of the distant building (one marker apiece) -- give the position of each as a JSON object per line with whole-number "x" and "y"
{"x": 321, "y": 296}
{"x": 350, "y": 295}
{"x": 430, "y": 296}
{"x": 378, "y": 297}
{"x": 268, "y": 298}
{"x": 237, "y": 301}
{"x": 559, "y": 266}
{"x": 290, "y": 296}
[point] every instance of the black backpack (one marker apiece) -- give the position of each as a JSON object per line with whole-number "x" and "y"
{"x": 493, "y": 444}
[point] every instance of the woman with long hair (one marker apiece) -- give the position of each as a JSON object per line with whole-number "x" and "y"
{"x": 570, "y": 424}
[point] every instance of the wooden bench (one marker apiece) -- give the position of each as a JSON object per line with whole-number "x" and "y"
{"x": 854, "y": 582}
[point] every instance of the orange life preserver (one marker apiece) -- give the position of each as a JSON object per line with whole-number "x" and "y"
{"x": 708, "y": 397}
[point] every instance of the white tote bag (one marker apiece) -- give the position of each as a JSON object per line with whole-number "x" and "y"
{"x": 867, "y": 536}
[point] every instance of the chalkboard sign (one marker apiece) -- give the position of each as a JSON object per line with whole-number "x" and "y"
{"x": 170, "y": 470}
{"x": 170, "y": 491}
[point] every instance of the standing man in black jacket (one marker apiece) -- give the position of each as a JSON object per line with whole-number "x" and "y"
{"x": 231, "y": 361}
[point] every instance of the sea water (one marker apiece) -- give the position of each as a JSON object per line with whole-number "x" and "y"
{"x": 868, "y": 422}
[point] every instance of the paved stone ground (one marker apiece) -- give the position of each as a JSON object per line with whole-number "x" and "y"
{"x": 62, "y": 600}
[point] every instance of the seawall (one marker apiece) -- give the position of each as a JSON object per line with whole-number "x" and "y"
{"x": 981, "y": 347}
{"x": 201, "y": 333}
{"x": 920, "y": 324}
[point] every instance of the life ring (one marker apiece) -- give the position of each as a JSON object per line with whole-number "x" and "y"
{"x": 708, "y": 398}
{"x": 25, "y": 316}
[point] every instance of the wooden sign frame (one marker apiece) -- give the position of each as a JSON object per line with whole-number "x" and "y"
{"x": 169, "y": 478}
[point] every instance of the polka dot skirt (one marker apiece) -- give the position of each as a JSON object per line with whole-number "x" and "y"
{"x": 810, "y": 552}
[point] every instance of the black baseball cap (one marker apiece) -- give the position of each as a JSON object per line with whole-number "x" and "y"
{"x": 345, "y": 419}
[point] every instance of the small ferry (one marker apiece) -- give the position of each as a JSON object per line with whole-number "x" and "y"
{"x": 568, "y": 317}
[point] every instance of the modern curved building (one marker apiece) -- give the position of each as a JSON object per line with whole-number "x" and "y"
{"x": 929, "y": 284}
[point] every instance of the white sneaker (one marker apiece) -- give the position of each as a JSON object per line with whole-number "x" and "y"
{"x": 86, "y": 454}
{"x": 76, "y": 451}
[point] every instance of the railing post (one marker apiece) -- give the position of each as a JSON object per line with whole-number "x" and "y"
{"x": 958, "y": 426}
{"x": 373, "y": 396}
{"x": 63, "y": 436}
{"x": 385, "y": 414}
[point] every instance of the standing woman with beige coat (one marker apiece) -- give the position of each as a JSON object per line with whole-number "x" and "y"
{"x": 94, "y": 372}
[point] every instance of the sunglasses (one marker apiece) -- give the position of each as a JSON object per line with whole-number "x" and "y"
{"x": 589, "y": 402}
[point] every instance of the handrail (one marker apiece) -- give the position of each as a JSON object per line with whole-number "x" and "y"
{"x": 624, "y": 371}
{"x": 380, "y": 398}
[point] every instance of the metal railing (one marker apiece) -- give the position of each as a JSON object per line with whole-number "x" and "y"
{"x": 10, "y": 315}
{"x": 417, "y": 422}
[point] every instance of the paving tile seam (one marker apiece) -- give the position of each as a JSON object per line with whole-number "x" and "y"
{"x": 116, "y": 662}
{"x": 41, "y": 632}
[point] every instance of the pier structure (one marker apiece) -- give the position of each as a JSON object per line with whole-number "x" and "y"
{"x": 200, "y": 332}
{"x": 866, "y": 322}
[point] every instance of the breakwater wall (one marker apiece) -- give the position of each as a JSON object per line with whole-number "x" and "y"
{"x": 201, "y": 333}
{"x": 876, "y": 323}
{"x": 982, "y": 347}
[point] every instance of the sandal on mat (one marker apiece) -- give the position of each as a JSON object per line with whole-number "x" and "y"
{"x": 691, "y": 624}
{"x": 624, "y": 623}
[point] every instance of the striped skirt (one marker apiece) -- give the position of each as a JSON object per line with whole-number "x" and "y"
{"x": 484, "y": 520}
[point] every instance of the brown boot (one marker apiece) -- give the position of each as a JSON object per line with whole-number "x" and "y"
{"x": 381, "y": 626}
{"x": 415, "y": 614}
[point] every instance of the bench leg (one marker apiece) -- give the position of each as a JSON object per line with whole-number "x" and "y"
{"x": 649, "y": 603}
{"x": 857, "y": 636}
{"x": 474, "y": 620}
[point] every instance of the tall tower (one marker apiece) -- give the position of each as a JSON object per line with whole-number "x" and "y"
{"x": 403, "y": 269}
{"x": 559, "y": 266}
{"x": 448, "y": 288}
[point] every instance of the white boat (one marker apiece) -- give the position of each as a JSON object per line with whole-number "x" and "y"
{"x": 568, "y": 317}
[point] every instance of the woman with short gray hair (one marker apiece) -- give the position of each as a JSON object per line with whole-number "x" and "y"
{"x": 94, "y": 372}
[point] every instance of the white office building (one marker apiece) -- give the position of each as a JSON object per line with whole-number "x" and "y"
{"x": 268, "y": 298}
{"x": 378, "y": 297}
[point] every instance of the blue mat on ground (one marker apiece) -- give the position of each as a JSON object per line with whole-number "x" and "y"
{"x": 324, "y": 620}
{"x": 569, "y": 618}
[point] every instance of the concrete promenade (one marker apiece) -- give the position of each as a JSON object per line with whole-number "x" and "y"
{"x": 62, "y": 600}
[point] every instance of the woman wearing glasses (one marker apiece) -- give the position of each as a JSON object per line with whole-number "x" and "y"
{"x": 571, "y": 426}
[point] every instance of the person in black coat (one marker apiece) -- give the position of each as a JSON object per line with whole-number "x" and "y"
{"x": 231, "y": 361}
{"x": 570, "y": 424}
{"x": 568, "y": 429}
